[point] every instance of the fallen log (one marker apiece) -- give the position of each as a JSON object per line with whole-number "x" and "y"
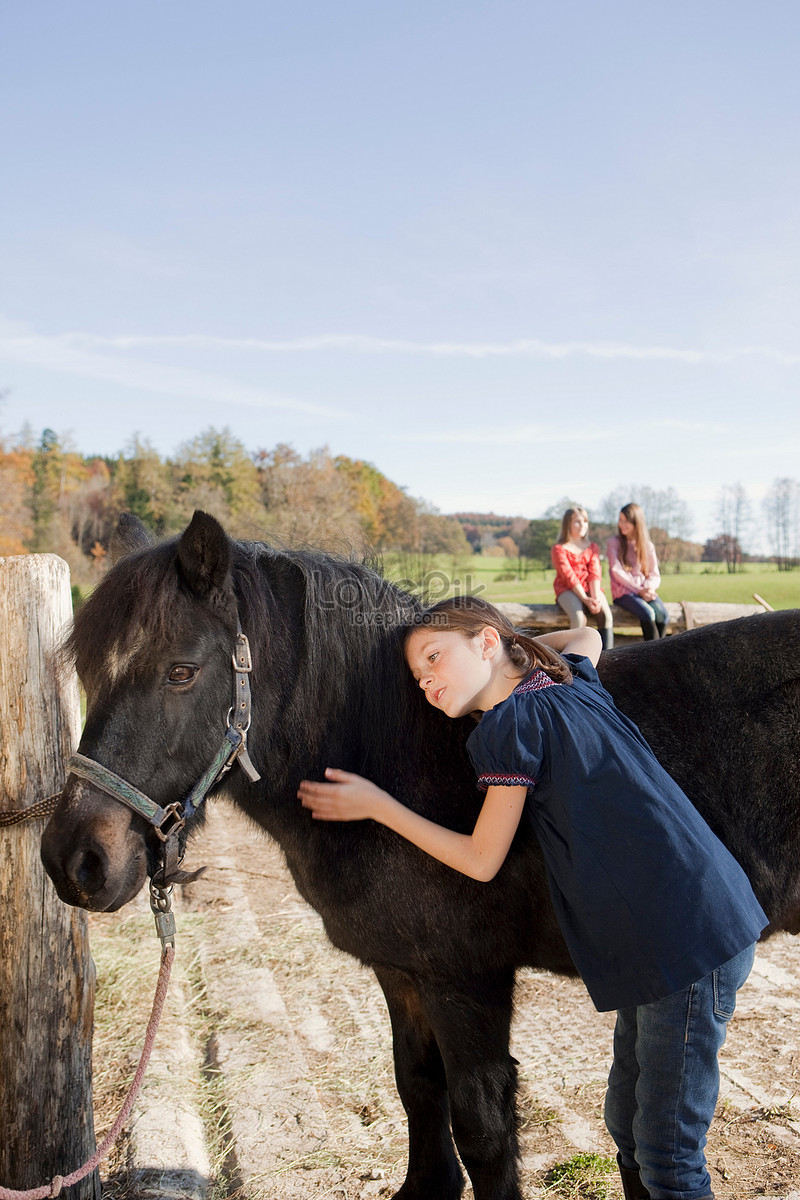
{"x": 688, "y": 614}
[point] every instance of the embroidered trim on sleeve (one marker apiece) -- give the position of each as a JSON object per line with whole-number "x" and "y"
{"x": 486, "y": 781}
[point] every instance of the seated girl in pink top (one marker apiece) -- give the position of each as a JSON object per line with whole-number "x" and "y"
{"x": 635, "y": 577}
{"x": 578, "y": 575}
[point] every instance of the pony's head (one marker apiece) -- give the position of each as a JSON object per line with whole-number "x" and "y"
{"x": 152, "y": 647}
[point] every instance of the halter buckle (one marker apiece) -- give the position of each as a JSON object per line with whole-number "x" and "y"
{"x": 245, "y": 663}
{"x": 171, "y": 823}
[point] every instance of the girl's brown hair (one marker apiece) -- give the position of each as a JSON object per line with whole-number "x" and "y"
{"x": 469, "y": 615}
{"x": 641, "y": 537}
{"x": 566, "y": 522}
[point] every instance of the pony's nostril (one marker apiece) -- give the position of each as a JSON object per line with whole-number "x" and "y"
{"x": 87, "y": 870}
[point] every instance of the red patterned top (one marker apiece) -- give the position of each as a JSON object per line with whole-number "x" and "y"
{"x": 575, "y": 570}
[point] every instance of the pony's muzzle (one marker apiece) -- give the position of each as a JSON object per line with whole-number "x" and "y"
{"x": 98, "y": 864}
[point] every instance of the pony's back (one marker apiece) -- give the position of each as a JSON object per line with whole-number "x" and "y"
{"x": 720, "y": 707}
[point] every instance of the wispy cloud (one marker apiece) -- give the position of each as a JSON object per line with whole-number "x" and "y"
{"x": 69, "y": 354}
{"x": 562, "y": 434}
{"x": 363, "y": 344}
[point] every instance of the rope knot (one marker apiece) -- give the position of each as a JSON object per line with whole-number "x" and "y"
{"x": 56, "y": 1186}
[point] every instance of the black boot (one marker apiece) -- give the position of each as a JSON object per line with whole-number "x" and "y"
{"x": 632, "y": 1184}
{"x": 607, "y": 638}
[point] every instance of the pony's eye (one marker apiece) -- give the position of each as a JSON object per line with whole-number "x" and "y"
{"x": 181, "y": 673}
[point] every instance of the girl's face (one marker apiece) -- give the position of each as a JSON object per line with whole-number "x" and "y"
{"x": 626, "y": 527}
{"x": 578, "y": 527}
{"x": 454, "y": 671}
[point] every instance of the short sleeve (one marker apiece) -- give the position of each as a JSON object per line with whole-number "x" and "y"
{"x": 583, "y": 667}
{"x": 506, "y": 747}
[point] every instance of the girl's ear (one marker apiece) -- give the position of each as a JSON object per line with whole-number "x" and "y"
{"x": 490, "y": 641}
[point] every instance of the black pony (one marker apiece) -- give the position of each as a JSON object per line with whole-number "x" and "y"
{"x": 720, "y": 706}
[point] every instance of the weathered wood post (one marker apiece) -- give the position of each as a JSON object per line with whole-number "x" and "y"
{"x": 46, "y": 972}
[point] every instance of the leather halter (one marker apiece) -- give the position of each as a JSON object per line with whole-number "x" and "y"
{"x": 168, "y": 822}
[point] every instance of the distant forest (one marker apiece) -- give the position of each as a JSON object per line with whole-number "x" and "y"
{"x": 55, "y": 499}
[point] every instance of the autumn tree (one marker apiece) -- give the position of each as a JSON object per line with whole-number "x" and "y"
{"x": 89, "y": 508}
{"x": 16, "y": 484}
{"x": 215, "y": 473}
{"x": 386, "y": 513}
{"x": 308, "y": 501}
{"x": 433, "y": 533}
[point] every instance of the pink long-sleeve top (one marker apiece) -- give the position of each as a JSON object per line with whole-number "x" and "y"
{"x": 575, "y": 570}
{"x": 629, "y": 579}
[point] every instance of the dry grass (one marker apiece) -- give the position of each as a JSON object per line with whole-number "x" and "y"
{"x": 124, "y": 957}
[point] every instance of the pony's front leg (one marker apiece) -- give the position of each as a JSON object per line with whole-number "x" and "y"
{"x": 433, "y": 1169}
{"x": 472, "y": 1028}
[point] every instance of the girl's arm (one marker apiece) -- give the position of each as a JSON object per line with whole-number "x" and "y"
{"x": 616, "y": 568}
{"x": 652, "y": 576}
{"x": 586, "y": 642}
{"x": 348, "y": 797}
{"x": 595, "y": 574}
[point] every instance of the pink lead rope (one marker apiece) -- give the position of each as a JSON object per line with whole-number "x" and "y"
{"x": 52, "y": 1189}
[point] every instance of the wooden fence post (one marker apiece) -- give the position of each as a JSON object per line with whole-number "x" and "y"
{"x": 46, "y": 972}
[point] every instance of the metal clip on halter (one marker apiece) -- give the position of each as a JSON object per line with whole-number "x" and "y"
{"x": 161, "y": 906}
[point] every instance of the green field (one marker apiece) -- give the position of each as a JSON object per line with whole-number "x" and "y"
{"x": 694, "y": 581}
{"x": 442, "y": 576}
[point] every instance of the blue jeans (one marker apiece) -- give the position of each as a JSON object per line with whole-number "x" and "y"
{"x": 664, "y": 1082}
{"x": 651, "y": 614}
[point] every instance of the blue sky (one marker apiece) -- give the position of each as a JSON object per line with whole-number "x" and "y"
{"x": 506, "y": 251}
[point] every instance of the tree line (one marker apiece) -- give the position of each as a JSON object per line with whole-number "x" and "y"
{"x": 55, "y": 499}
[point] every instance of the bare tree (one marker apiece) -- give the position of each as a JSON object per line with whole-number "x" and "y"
{"x": 668, "y": 516}
{"x": 556, "y": 511}
{"x": 734, "y": 517}
{"x": 782, "y": 511}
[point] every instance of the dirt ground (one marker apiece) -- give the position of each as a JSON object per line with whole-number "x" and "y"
{"x": 272, "y": 1076}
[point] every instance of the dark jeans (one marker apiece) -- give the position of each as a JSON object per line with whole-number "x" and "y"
{"x": 664, "y": 1082}
{"x": 652, "y": 615}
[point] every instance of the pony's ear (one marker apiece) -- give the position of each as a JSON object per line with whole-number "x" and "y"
{"x": 129, "y": 535}
{"x": 204, "y": 555}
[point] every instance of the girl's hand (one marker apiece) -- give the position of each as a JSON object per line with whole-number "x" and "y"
{"x": 345, "y": 797}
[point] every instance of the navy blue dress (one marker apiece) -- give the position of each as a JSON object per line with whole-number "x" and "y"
{"x": 648, "y": 899}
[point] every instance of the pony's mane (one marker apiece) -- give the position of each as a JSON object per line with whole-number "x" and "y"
{"x": 348, "y": 623}
{"x": 326, "y": 634}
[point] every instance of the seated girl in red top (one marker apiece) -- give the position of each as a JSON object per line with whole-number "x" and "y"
{"x": 578, "y": 574}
